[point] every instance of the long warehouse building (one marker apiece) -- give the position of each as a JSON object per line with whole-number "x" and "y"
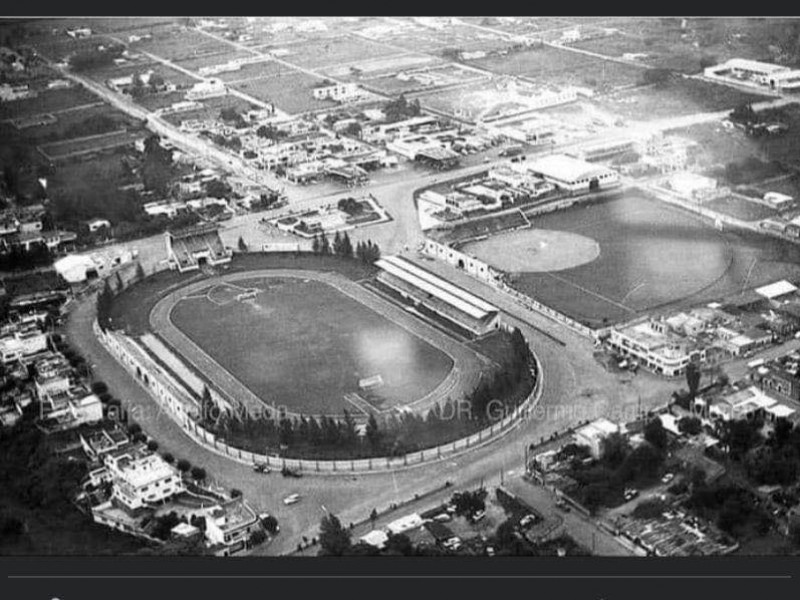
{"x": 424, "y": 289}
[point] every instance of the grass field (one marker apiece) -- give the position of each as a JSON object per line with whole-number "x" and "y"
{"x": 739, "y": 208}
{"x": 651, "y": 256}
{"x": 304, "y": 345}
{"x": 562, "y": 67}
{"x": 290, "y": 92}
{"x": 68, "y": 124}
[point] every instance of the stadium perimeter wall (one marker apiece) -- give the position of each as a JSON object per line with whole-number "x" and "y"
{"x": 182, "y": 407}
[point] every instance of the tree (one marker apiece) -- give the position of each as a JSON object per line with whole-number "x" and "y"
{"x": 614, "y": 448}
{"x": 347, "y": 246}
{"x": 168, "y": 458}
{"x": 152, "y": 445}
{"x": 373, "y": 432}
{"x": 655, "y": 433}
{"x": 198, "y": 473}
{"x": 257, "y": 538}
{"x": 399, "y": 545}
{"x": 184, "y": 465}
{"x": 139, "y": 272}
{"x": 468, "y": 503}
{"x": 242, "y": 245}
{"x": 353, "y": 129}
{"x": 334, "y": 539}
{"x": 373, "y": 516}
{"x": 690, "y": 425}
{"x": 744, "y": 114}
{"x": 269, "y": 522}
{"x": 236, "y": 493}
{"x": 692, "y": 379}
{"x": 99, "y": 387}
{"x": 325, "y": 247}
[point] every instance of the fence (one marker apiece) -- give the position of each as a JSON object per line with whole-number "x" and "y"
{"x": 182, "y": 407}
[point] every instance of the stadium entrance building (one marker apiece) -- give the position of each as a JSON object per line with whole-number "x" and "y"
{"x": 431, "y": 292}
{"x": 192, "y": 247}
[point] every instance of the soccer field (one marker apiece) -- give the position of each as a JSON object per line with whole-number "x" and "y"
{"x": 652, "y": 256}
{"x": 305, "y": 345}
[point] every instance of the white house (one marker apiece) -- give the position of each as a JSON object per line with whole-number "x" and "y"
{"x": 593, "y": 434}
{"x": 141, "y": 478}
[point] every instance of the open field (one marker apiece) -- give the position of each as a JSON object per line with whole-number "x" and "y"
{"x": 521, "y": 25}
{"x": 562, "y": 67}
{"x": 676, "y": 97}
{"x": 739, "y": 208}
{"x": 316, "y": 54}
{"x": 669, "y": 45}
{"x": 290, "y": 92}
{"x": 651, "y": 256}
{"x": 46, "y": 101}
{"x": 304, "y": 345}
{"x": 180, "y": 44}
{"x": 432, "y": 39}
{"x": 384, "y": 67}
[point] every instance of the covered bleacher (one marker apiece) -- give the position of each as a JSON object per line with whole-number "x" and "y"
{"x": 192, "y": 247}
{"x": 441, "y": 297}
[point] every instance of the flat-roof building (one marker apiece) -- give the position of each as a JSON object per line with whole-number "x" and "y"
{"x": 573, "y": 174}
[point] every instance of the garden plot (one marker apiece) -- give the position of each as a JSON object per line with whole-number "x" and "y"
{"x": 71, "y": 124}
{"x": 85, "y": 145}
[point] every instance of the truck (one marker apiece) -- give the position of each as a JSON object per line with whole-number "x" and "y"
{"x": 515, "y": 150}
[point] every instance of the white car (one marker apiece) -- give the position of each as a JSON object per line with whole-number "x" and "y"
{"x": 667, "y": 478}
{"x": 292, "y": 499}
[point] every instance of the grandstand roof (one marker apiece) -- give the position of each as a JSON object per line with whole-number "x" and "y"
{"x": 432, "y": 284}
{"x": 566, "y": 168}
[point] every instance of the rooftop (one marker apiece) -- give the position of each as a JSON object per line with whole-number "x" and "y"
{"x": 566, "y": 168}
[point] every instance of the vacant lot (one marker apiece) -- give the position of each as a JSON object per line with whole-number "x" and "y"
{"x": 677, "y": 97}
{"x": 287, "y": 347}
{"x": 554, "y": 65}
{"x": 219, "y": 58}
{"x": 264, "y": 68}
{"x": 290, "y": 92}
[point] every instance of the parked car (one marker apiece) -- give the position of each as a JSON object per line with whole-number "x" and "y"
{"x": 287, "y": 472}
{"x": 261, "y": 468}
{"x": 667, "y": 478}
{"x": 478, "y": 516}
{"x": 291, "y": 499}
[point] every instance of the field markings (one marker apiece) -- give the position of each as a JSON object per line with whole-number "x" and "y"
{"x": 231, "y": 387}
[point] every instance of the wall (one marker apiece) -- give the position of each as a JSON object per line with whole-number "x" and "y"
{"x": 181, "y": 406}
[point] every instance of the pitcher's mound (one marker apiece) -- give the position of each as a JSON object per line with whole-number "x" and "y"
{"x": 535, "y": 250}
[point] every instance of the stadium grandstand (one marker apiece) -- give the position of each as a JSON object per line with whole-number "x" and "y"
{"x": 193, "y": 247}
{"x": 424, "y": 289}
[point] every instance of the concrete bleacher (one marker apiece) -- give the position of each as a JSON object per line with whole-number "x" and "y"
{"x": 189, "y": 247}
{"x": 441, "y": 297}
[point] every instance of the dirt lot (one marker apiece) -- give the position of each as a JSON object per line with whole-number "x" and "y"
{"x": 265, "y": 68}
{"x": 290, "y": 92}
